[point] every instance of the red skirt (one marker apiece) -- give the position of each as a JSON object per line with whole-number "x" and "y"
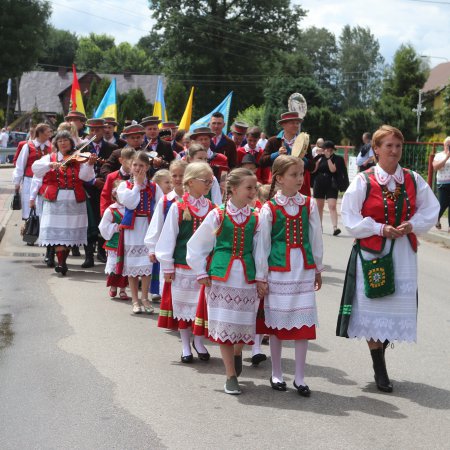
{"x": 166, "y": 319}
{"x": 115, "y": 280}
{"x": 201, "y": 316}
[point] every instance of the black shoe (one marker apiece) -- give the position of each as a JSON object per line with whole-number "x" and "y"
{"x": 303, "y": 390}
{"x": 76, "y": 251}
{"x": 101, "y": 256}
{"x": 189, "y": 359}
{"x": 62, "y": 269}
{"x": 259, "y": 357}
{"x": 201, "y": 356}
{"x": 89, "y": 260}
{"x": 336, "y": 232}
{"x": 379, "y": 366}
{"x": 50, "y": 256}
{"x": 278, "y": 386}
{"x": 238, "y": 364}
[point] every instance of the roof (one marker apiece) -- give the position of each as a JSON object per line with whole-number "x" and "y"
{"x": 438, "y": 78}
{"x": 41, "y": 89}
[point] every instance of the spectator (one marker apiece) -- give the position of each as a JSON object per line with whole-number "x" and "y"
{"x": 262, "y": 141}
{"x": 441, "y": 164}
{"x": 318, "y": 149}
{"x": 366, "y": 156}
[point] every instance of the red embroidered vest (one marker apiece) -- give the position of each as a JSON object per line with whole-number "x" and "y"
{"x": 67, "y": 178}
{"x": 33, "y": 155}
{"x": 374, "y": 207}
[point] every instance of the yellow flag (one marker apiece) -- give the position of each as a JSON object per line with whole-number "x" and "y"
{"x": 185, "y": 121}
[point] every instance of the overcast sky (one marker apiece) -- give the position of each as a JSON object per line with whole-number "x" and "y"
{"x": 425, "y": 24}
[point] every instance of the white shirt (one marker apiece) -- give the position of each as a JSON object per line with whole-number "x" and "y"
{"x": 22, "y": 159}
{"x": 4, "y": 137}
{"x": 442, "y": 175}
{"x": 262, "y": 143}
{"x": 130, "y": 198}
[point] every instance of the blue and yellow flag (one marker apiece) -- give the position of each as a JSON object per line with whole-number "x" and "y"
{"x": 159, "y": 108}
{"x": 108, "y": 105}
{"x": 224, "y": 108}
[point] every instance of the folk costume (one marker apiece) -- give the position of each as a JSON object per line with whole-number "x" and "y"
{"x": 289, "y": 255}
{"x": 139, "y": 202}
{"x": 171, "y": 251}
{"x": 105, "y": 197}
{"x": 31, "y": 151}
{"x": 64, "y": 217}
{"x": 110, "y": 230}
{"x": 263, "y": 174}
{"x": 232, "y": 302}
{"x": 373, "y": 200}
{"x": 227, "y": 147}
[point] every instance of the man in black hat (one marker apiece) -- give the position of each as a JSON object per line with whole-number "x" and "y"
{"x": 110, "y": 135}
{"x": 93, "y": 188}
{"x": 79, "y": 120}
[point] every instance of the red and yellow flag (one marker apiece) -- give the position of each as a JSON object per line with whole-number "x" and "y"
{"x": 76, "y": 100}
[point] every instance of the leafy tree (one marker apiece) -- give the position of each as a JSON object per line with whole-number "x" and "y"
{"x": 103, "y": 41}
{"x": 151, "y": 45}
{"x": 355, "y": 122}
{"x": 441, "y": 116}
{"x": 133, "y": 105}
{"x": 176, "y": 97}
{"x": 219, "y": 46}
{"x": 96, "y": 93}
{"x": 253, "y": 115}
{"x": 89, "y": 55}
{"x": 322, "y": 122}
{"x": 23, "y": 30}
{"x": 125, "y": 57}
{"x": 359, "y": 63}
{"x": 59, "y": 49}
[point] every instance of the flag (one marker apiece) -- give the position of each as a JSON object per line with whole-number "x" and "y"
{"x": 224, "y": 108}
{"x": 108, "y": 105}
{"x": 185, "y": 121}
{"x": 76, "y": 100}
{"x": 9, "y": 87}
{"x": 159, "y": 109}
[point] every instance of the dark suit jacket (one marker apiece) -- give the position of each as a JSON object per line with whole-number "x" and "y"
{"x": 112, "y": 164}
{"x": 227, "y": 147}
{"x": 272, "y": 146}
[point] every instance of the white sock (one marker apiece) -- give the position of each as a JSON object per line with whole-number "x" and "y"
{"x": 301, "y": 347}
{"x": 199, "y": 345}
{"x": 256, "y": 347}
{"x": 186, "y": 341}
{"x": 275, "y": 354}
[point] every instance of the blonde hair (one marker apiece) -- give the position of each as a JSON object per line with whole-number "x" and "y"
{"x": 128, "y": 152}
{"x": 280, "y": 167}
{"x": 193, "y": 149}
{"x": 235, "y": 178}
{"x": 114, "y": 189}
{"x": 263, "y": 192}
{"x": 178, "y": 164}
{"x": 194, "y": 170}
{"x": 382, "y": 132}
{"x": 68, "y": 126}
{"x": 162, "y": 173}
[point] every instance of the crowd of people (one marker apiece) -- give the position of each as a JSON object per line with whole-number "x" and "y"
{"x": 225, "y": 232}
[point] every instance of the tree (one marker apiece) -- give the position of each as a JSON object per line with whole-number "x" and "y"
{"x": 23, "y": 30}
{"x": 151, "y": 45}
{"x": 442, "y": 116}
{"x": 89, "y": 56}
{"x": 219, "y": 46}
{"x": 176, "y": 97}
{"x": 133, "y": 105}
{"x": 59, "y": 49}
{"x": 360, "y": 65}
{"x": 125, "y": 57}
{"x": 322, "y": 122}
{"x": 253, "y": 115}
{"x": 355, "y": 122}
{"x": 96, "y": 93}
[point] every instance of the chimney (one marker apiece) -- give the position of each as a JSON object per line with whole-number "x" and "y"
{"x": 127, "y": 74}
{"x": 62, "y": 71}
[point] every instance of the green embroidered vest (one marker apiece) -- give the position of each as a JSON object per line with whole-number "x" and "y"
{"x": 233, "y": 241}
{"x": 113, "y": 243}
{"x": 289, "y": 232}
{"x": 185, "y": 231}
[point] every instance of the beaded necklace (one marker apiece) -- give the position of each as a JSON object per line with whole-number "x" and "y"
{"x": 398, "y": 194}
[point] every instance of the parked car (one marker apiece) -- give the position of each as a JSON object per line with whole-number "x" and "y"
{"x": 15, "y": 137}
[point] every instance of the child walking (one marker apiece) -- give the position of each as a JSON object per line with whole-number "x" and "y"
{"x": 109, "y": 229}
{"x": 139, "y": 195}
{"x": 183, "y": 219}
{"x": 288, "y": 266}
{"x": 230, "y": 233}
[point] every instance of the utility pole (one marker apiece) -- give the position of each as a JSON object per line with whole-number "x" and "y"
{"x": 419, "y": 110}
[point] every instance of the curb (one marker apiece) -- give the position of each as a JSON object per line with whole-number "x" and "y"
{"x": 437, "y": 238}
{"x": 4, "y": 223}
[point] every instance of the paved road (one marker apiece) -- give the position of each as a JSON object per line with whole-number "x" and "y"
{"x": 78, "y": 370}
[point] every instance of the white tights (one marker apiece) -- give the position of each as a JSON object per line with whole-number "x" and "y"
{"x": 186, "y": 342}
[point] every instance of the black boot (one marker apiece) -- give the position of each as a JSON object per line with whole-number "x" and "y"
{"x": 89, "y": 259}
{"x": 76, "y": 251}
{"x": 379, "y": 367}
{"x": 50, "y": 256}
{"x": 385, "y": 346}
{"x": 62, "y": 265}
{"x": 101, "y": 252}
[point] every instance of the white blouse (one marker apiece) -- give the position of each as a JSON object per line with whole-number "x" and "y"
{"x": 157, "y": 222}
{"x": 42, "y": 166}
{"x": 168, "y": 238}
{"x": 427, "y": 206}
{"x": 107, "y": 227}
{"x": 130, "y": 198}
{"x": 22, "y": 159}
{"x": 204, "y": 240}
{"x": 291, "y": 206}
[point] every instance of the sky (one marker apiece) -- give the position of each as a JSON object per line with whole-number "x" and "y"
{"x": 422, "y": 23}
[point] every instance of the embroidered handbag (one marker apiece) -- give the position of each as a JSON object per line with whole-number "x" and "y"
{"x": 16, "y": 202}
{"x": 378, "y": 274}
{"x": 31, "y": 228}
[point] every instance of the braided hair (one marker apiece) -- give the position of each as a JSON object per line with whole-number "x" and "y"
{"x": 280, "y": 167}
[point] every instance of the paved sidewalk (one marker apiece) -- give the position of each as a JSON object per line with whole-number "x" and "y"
{"x": 6, "y": 192}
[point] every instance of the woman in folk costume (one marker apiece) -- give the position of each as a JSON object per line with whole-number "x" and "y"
{"x": 64, "y": 216}
{"x": 289, "y": 266}
{"x": 384, "y": 209}
{"x": 229, "y": 234}
{"x": 139, "y": 195}
{"x": 176, "y": 169}
{"x": 109, "y": 228}
{"x": 183, "y": 219}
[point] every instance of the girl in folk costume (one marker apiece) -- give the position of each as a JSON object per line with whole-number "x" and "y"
{"x": 64, "y": 215}
{"x": 163, "y": 180}
{"x": 230, "y": 233}
{"x": 289, "y": 262}
{"x": 176, "y": 169}
{"x": 139, "y": 195}
{"x": 383, "y": 209}
{"x": 109, "y": 229}
{"x": 197, "y": 153}
{"x": 183, "y": 219}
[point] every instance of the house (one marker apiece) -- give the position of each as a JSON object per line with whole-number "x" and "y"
{"x": 49, "y": 92}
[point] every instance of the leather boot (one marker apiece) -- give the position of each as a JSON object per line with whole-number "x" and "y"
{"x": 101, "y": 253}
{"x": 385, "y": 346}
{"x": 76, "y": 251}
{"x": 50, "y": 256}
{"x": 62, "y": 265}
{"x": 89, "y": 259}
{"x": 379, "y": 367}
